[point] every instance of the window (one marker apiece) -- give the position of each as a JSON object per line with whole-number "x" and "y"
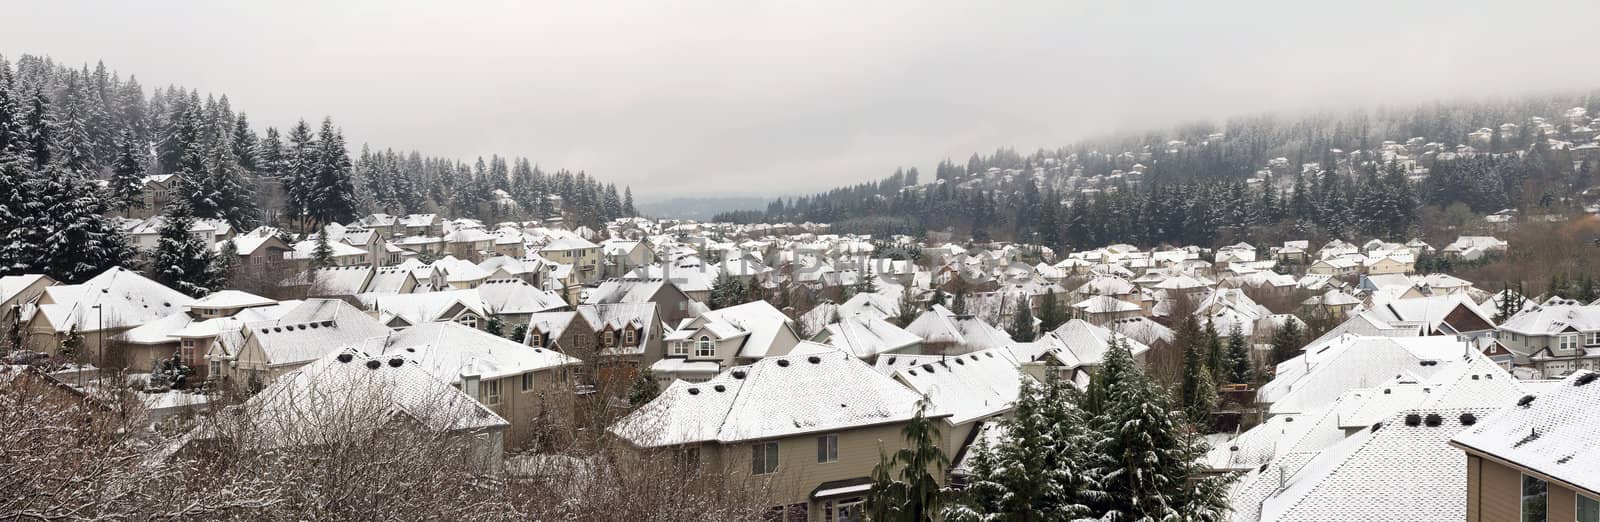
{"x": 527, "y": 382}
{"x": 490, "y": 392}
{"x": 468, "y": 320}
{"x": 628, "y": 337}
{"x": 828, "y": 448}
{"x": 536, "y": 339}
{"x": 1569, "y": 342}
{"x": 843, "y": 510}
{"x": 705, "y": 348}
{"x": 763, "y": 458}
{"x": 608, "y": 338}
{"x": 1533, "y": 499}
{"x": 687, "y": 458}
{"x": 678, "y": 348}
{"x": 1588, "y": 509}
{"x": 1594, "y": 338}
{"x": 216, "y": 368}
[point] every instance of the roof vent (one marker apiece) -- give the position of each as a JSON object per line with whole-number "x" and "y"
{"x": 345, "y": 357}
{"x": 912, "y": 372}
{"x": 1377, "y": 426}
{"x": 891, "y": 360}
{"x": 1432, "y": 420}
{"x": 694, "y": 391}
{"x": 1474, "y": 377}
{"x": 412, "y": 350}
{"x": 277, "y": 329}
{"x": 1468, "y": 419}
{"x": 814, "y": 359}
{"x": 396, "y": 362}
{"x": 738, "y": 374}
{"x": 1586, "y": 379}
{"x": 928, "y": 368}
{"x": 1233, "y": 448}
{"x": 989, "y": 355}
{"x": 373, "y": 365}
{"x": 1288, "y": 419}
{"x": 961, "y": 362}
{"x": 720, "y": 388}
{"x": 783, "y": 362}
{"x": 973, "y": 357}
{"x": 313, "y": 325}
{"x": 302, "y": 327}
{"x": 1413, "y": 419}
{"x": 264, "y": 330}
{"x": 1525, "y": 401}
{"x": 538, "y": 350}
{"x": 1387, "y": 391}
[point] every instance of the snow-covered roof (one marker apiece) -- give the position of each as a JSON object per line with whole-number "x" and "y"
{"x": 867, "y": 336}
{"x": 116, "y": 298}
{"x": 1554, "y": 433}
{"x": 450, "y": 351}
{"x": 968, "y": 387}
{"x": 313, "y": 329}
{"x": 774, "y": 397}
{"x": 231, "y": 299}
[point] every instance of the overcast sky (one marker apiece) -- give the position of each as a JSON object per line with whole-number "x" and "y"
{"x": 709, "y": 98}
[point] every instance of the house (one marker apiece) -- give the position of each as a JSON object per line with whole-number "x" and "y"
{"x": 1537, "y": 459}
{"x": 514, "y": 381}
{"x": 343, "y": 254}
{"x": 16, "y": 293}
{"x": 1102, "y": 309}
{"x": 869, "y": 337}
{"x": 578, "y": 252}
{"x": 1470, "y": 248}
{"x": 347, "y": 396}
{"x": 401, "y": 311}
{"x": 672, "y": 303}
{"x": 966, "y": 390}
{"x": 258, "y": 249}
{"x": 308, "y": 332}
{"x": 96, "y": 311}
{"x": 724, "y": 338}
{"x": 422, "y": 225}
{"x": 1554, "y": 338}
{"x": 630, "y": 333}
{"x": 620, "y": 256}
{"x": 813, "y": 452}
{"x": 945, "y": 332}
{"x": 470, "y": 244}
{"x": 154, "y": 195}
{"x": 1336, "y": 266}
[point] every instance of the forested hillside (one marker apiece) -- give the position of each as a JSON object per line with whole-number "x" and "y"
{"x": 1391, "y": 172}
{"x": 76, "y": 143}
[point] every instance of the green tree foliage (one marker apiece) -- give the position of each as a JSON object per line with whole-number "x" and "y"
{"x": 182, "y": 261}
{"x": 1240, "y": 366}
{"x": 1199, "y": 392}
{"x": 1041, "y": 470}
{"x": 906, "y": 485}
{"x": 644, "y": 388}
{"x": 1021, "y": 327}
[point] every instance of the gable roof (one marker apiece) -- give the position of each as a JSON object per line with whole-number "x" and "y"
{"x": 124, "y": 298}
{"x": 1553, "y": 434}
{"x": 450, "y": 351}
{"x": 966, "y": 387}
{"x": 759, "y": 402}
{"x": 311, "y": 330}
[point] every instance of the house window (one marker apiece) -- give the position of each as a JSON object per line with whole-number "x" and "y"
{"x": 1588, "y": 509}
{"x": 216, "y": 368}
{"x": 536, "y": 340}
{"x": 527, "y": 382}
{"x": 608, "y": 338}
{"x": 1569, "y": 342}
{"x": 1594, "y": 339}
{"x": 827, "y": 449}
{"x": 628, "y": 337}
{"x": 679, "y": 348}
{"x": 491, "y": 392}
{"x": 468, "y": 320}
{"x": 763, "y": 458}
{"x": 843, "y": 510}
{"x": 1534, "y": 495}
{"x": 687, "y": 458}
{"x": 705, "y": 348}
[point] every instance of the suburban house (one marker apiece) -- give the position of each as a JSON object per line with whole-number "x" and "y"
{"x": 702, "y": 347}
{"x": 628, "y": 336}
{"x": 190, "y": 333}
{"x": 814, "y": 451}
{"x": 96, "y": 311}
{"x": 514, "y": 381}
{"x": 578, "y": 252}
{"x": 16, "y": 293}
{"x": 401, "y": 311}
{"x": 673, "y": 304}
{"x": 422, "y": 225}
{"x": 1537, "y": 459}
{"x": 620, "y": 256}
{"x": 947, "y": 333}
{"x": 1554, "y": 338}
{"x": 153, "y": 197}
{"x": 258, "y": 249}
{"x": 275, "y": 347}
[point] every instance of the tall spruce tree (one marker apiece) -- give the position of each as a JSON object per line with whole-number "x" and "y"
{"x": 182, "y": 261}
{"x": 126, "y": 187}
{"x": 332, "y": 197}
{"x": 1240, "y": 368}
{"x": 1021, "y": 328}
{"x": 907, "y": 488}
{"x": 1040, "y": 468}
{"x": 1199, "y": 392}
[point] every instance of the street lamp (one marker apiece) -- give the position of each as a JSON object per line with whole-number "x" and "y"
{"x": 99, "y": 338}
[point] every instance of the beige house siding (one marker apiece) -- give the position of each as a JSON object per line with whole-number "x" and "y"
{"x": 524, "y": 409}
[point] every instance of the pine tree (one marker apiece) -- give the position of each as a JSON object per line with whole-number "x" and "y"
{"x": 1199, "y": 392}
{"x": 126, "y": 188}
{"x": 1040, "y": 470}
{"x": 911, "y": 491}
{"x": 644, "y": 389}
{"x": 1051, "y": 314}
{"x": 1147, "y": 463}
{"x": 1240, "y": 369}
{"x": 299, "y": 168}
{"x": 1216, "y": 356}
{"x": 182, "y": 261}
{"x": 1021, "y": 328}
{"x": 231, "y": 194}
{"x": 331, "y": 192}
{"x": 322, "y": 252}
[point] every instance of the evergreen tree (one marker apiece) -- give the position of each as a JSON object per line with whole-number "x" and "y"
{"x": 644, "y": 389}
{"x": 331, "y": 191}
{"x": 1040, "y": 470}
{"x": 299, "y": 169}
{"x": 1240, "y": 369}
{"x": 1216, "y": 357}
{"x": 182, "y": 261}
{"x": 1199, "y": 392}
{"x": 1148, "y": 464}
{"x": 959, "y": 304}
{"x": 906, "y": 488}
{"x": 909, "y": 307}
{"x": 1286, "y": 341}
{"x": 322, "y": 252}
{"x": 1021, "y": 328}
{"x": 126, "y": 188}
{"x": 1051, "y": 314}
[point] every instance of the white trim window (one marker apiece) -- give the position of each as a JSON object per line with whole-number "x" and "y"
{"x": 705, "y": 347}
{"x": 527, "y": 382}
{"x": 608, "y": 338}
{"x": 629, "y": 337}
{"x": 1569, "y": 342}
{"x": 1594, "y": 338}
{"x": 468, "y": 320}
{"x": 827, "y": 448}
{"x": 763, "y": 458}
{"x": 536, "y": 340}
{"x": 490, "y": 392}
{"x": 678, "y": 348}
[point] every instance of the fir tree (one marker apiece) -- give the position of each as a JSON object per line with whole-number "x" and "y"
{"x": 906, "y": 485}
{"x": 182, "y": 261}
{"x": 1286, "y": 341}
{"x": 1147, "y": 463}
{"x": 1240, "y": 369}
{"x": 331, "y": 194}
{"x": 1199, "y": 392}
{"x": 1041, "y": 469}
{"x": 495, "y": 325}
{"x": 322, "y": 252}
{"x": 644, "y": 389}
{"x": 1216, "y": 356}
{"x": 1021, "y": 328}
{"x": 126, "y": 188}
{"x": 909, "y": 307}
{"x": 1051, "y": 314}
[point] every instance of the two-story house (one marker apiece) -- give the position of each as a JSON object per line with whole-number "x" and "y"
{"x": 1554, "y": 338}
{"x": 701, "y": 347}
{"x": 583, "y": 255}
{"x": 1537, "y": 459}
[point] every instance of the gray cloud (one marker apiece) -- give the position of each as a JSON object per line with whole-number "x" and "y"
{"x": 738, "y": 98}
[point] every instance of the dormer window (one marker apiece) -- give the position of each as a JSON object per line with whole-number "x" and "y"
{"x": 536, "y": 340}
{"x": 608, "y": 338}
{"x": 628, "y": 337}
